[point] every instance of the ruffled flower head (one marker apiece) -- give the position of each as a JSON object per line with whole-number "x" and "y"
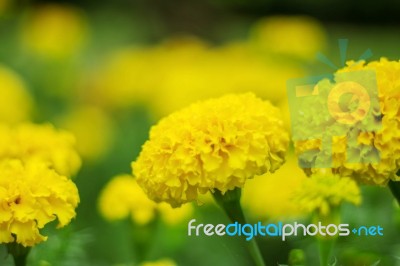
{"x": 31, "y": 196}
{"x": 43, "y": 143}
{"x": 365, "y": 143}
{"x": 215, "y": 144}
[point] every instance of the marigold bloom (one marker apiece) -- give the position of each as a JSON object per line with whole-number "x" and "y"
{"x": 270, "y": 196}
{"x": 40, "y": 143}
{"x": 322, "y": 192}
{"x": 215, "y": 144}
{"x": 122, "y": 197}
{"x": 32, "y": 195}
{"x": 15, "y": 101}
{"x": 386, "y": 140}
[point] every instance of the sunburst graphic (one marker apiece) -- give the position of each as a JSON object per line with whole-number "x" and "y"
{"x": 343, "y": 45}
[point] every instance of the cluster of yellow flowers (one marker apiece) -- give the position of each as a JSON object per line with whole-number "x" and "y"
{"x": 122, "y": 197}
{"x": 189, "y": 69}
{"x": 215, "y": 144}
{"x": 322, "y": 192}
{"x": 36, "y": 162}
{"x": 386, "y": 140}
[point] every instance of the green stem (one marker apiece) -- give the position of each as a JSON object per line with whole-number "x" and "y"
{"x": 19, "y": 253}
{"x": 395, "y": 189}
{"x": 143, "y": 238}
{"x": 326, "y": 243}
{"x": 325, "y": 247}
{"x": 230, "y": 203}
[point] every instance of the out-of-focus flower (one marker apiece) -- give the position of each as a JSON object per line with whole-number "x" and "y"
{"x": 15, "y": 101}
{"x": 124, "y": 79}
{"x": 270, "y": 196}
{"x": 42, "y": 143}
{"x": 92, "y": 128}
{"x": 182, "y": 65}
{"x": 322, "y": 192}
{"x": 386, "y": 140}
{"x": 297, "y": 36}
{"x": 215, "y": 144}
{"x": 190, "y": 74}
{"x": 32, "y": 195}
{"x": 174, "y": 216}
{"x": 54, "y": 31}
{"x": 160, "y": 262}
{"x": 4, "y": 4}
{"x": 186, "y": 70}
{"x": 122, "y": 197}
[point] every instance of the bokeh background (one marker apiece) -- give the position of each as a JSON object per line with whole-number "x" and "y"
{"x": 108, "y": 70}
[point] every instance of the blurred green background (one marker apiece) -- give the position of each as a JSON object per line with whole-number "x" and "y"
{"x": 80, "y": 69}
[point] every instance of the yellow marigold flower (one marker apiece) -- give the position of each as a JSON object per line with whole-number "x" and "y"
{"x": 297, "y": 36}
{"x": 15, "y": 101}
{"x": 386, "y": 140}
{"x": 93, "y": 139}
{"x": 43, "y": 143}
{"x": 270, "y": 196}
{"x": 122, "y": 197}
{"x": 322, "y": 192}
{"x": 54, "y": 31}
{"x": 215, "y": 144}
{"x": 160, "y": 262}
{"x": 32, "y": 195}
